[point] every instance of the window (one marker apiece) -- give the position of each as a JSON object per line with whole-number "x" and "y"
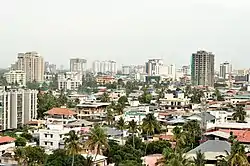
{"x": 46, "y": 143}
{"x": 51, "y": 143}
{"x": 46, "y": 135}
{"x": 51, "y": 136}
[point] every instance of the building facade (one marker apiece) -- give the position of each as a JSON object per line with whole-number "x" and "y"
{"x": 69, "y": 80}
{"x": 16, "y": 77}
{"x": 202, "y": 68}
{"x": 17, "y": 108}
{"x": 153, "y": 67}
{"x": 78, "y": 65}
{"x": 32, "y": 64}
{"x": 104, "y": 67}
{"x": 225, "y": 70}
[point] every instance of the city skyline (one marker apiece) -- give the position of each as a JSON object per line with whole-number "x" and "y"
{"x": 125, "y": 33}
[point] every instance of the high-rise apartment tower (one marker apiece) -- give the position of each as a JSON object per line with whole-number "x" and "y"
{"x": 202, "y": 68}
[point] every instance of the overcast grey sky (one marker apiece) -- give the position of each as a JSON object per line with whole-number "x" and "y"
{"x": 128, "y": 31}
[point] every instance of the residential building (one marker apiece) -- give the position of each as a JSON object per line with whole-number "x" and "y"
{"x": 172, "y": 102}
{"x": 212, "y": 149}
{"x": 104, "y": 67}
{"x": 17, "y": 108}
{"x": 60, "y": 115}
{"x": 105, "y": 79}
{"x": 204, "y": 118}
{"x": 78, "y": 65}
{"x": 137, "y": 113}
{"x": 16, "y": 77}
{"x": 202, "y": 68}
{"x": 69, "y": 80}
{"x": 32, "y": 64}
{"x": 52, "y": 137}
{"x": 50, "y": 68}
{"x": 153, "y": 67}
{"x": 126, "y": 70}
{"x": 91, "y": 109}
{"x": 6, "y": 142}
{"x": 225, "y": 70}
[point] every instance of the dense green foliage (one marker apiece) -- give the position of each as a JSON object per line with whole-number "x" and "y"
{"x": 20, "y": 141}
{"x": 30, "y": 156}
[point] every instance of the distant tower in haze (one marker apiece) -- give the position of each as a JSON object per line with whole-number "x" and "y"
{"x": 153, "y": 67}
{"x": 78, "y": 65}
{"x": 225, "y": 70}
{"x": 202, "y": 68}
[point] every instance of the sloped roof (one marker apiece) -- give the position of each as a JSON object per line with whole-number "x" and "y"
{"x": 61, "y": 111}
{"x": 219, "y": 134}
{"x": 243, "y": 136}
{"x": 204, "y": 115}
{"x": 6, "y": 139}
{"x": 212, "y": 146}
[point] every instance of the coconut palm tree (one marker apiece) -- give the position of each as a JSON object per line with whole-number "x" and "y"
{"x": 105, "y": 97}
{"x": 119, "y": 108}
{"x": 110, "y": 116}
{"x": 237, "y": 155}
{"x": 192, "y": 130}
{"x": 97, "y": 140}
{"x": 149, "y": 125}
{"x": 133, "y": 128}
{"x": 239, "y": 114}
{"x": 72, "y": 144}
{"x": 199, "y": 160}
{"x": 174, "y": 158}
{"x": 179, "y": 137}
{"x": 121, "y": 126}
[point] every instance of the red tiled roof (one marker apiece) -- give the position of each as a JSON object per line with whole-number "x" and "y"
{"x": 6, "y": 139}
{"x": 242, "y": 135}
{"x": 60, "y": 111}
{"x": 166, "y": 137}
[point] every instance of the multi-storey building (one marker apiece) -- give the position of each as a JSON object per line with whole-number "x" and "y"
{"x": 78, "y": 65}
{"x": 153, "y": 67}
{"x": 69, "y": 80}
{"x": 225, "y": 70}
{"x": 16, "y": 77}
{"x": 17, "y": 108}
{"x": 32, "y": 64}
{"x": 49, "y": 68}
{"x": 104, "y": 67}
{"x": 202, "y": 68}
{"x": 126, "y": 70}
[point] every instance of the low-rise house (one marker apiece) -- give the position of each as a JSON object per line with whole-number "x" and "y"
{"x": 212, "y": 149}
{"x": 52, "y": 137}
{"x": 60, "y": 115}
{"x": 243, "y": 136}
{"x": 136, "y": 113}
{"x": 204, "y": 118}
{"x": 6, "y": 142}
{"x": 91, "y": 110}
{"x": 172, "y": 102}
{"x": 105, "y": 79}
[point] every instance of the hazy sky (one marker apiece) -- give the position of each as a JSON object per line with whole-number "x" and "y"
{"x": 128, "y": 31}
